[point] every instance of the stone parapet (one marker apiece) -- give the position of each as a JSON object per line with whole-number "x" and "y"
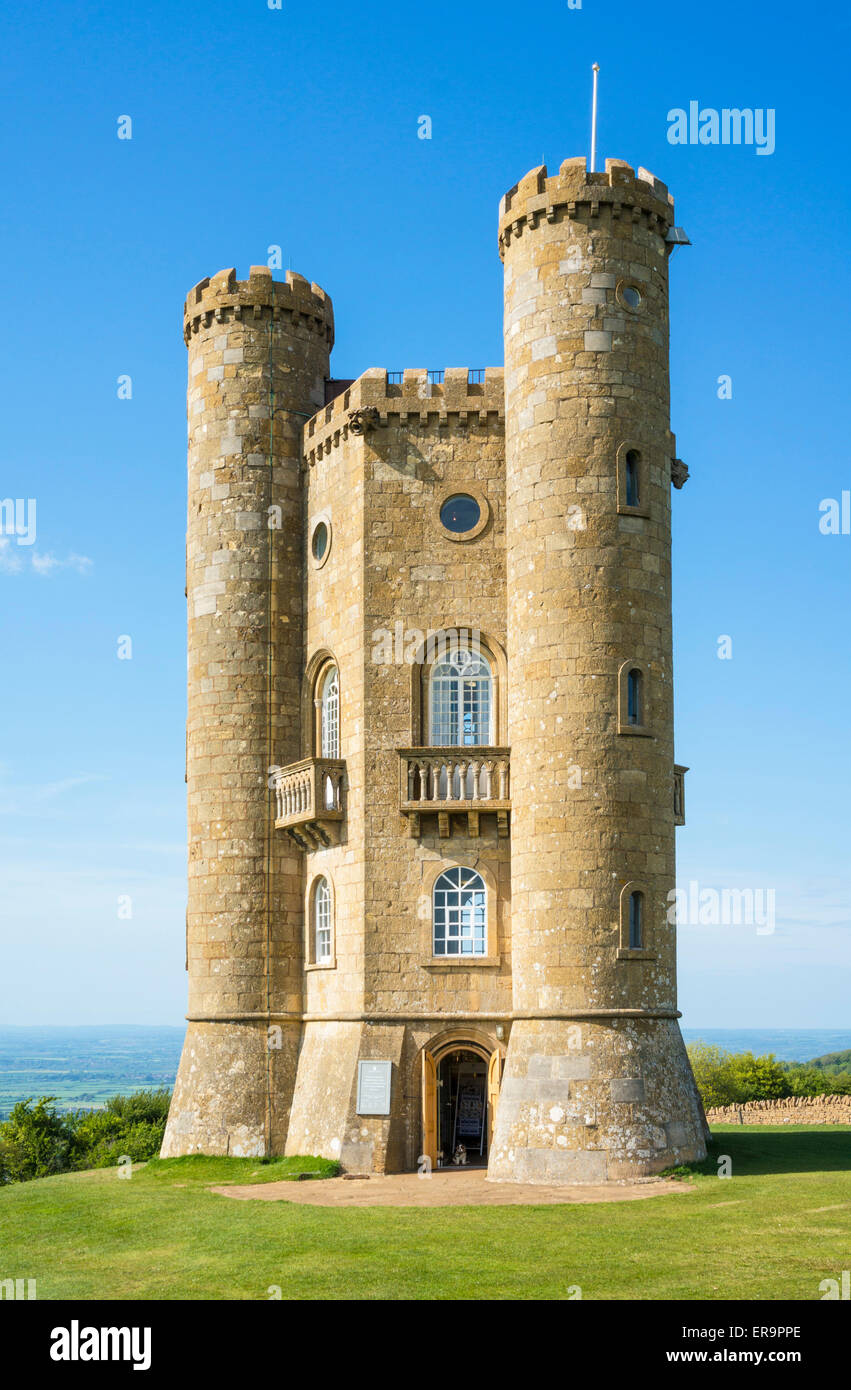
{"x": 376, "y": 398}
{"x": 223, "y": 298}
{"x": 617, "y": 193}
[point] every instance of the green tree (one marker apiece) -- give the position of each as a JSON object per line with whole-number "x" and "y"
{"x": 757, "y": 1078}
{"x": 142, "y": 1107}
{"x": 35, "y": 1141}
{"x": 734, "y": 1078}
{"x": 806, "y": 1080}
{"x": 713, "y": 1074}
{"x": 129, "y": 1125}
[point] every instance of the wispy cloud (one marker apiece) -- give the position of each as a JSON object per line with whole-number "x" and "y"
{"x": 36, "y": 800}
{"x": 46, "y": 564}
{"x": 13, "y": 561}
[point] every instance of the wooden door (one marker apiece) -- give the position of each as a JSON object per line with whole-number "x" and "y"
{"x": 494, "y": 1081}
{"x": 429, "y": 1101}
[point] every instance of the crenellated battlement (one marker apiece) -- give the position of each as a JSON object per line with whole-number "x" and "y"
{"x": 224, "y": 298}
{"x": 617, "y": 193}
{"x": 374, "y": 400}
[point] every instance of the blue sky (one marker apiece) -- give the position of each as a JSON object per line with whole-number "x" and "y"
{"x": 298, "y": 127}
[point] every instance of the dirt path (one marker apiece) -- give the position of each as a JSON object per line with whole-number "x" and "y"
{"x": 445, "y": 1188}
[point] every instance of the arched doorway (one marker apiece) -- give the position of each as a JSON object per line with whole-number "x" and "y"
{"x": 461, "y": 1077}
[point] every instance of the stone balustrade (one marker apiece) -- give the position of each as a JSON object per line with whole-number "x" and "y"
{"x": 309, "y": 797}
{"x": 455, "y": 781}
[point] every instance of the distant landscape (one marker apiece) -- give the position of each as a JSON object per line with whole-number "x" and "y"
{"x": 786, "y": 1044}
{"x": 83, "y": 1066}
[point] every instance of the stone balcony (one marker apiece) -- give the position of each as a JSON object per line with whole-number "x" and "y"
{"x": 310, "y": 800}
{"x": 447, "y": 782}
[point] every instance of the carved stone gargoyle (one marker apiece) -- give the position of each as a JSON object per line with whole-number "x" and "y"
{"x": 679, "y": 472}
{"x": 363, "y": 419}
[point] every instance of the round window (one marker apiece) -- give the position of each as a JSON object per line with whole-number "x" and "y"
{"x": 319, "y": 544}
{"x": 631, "y": 297}
{"x": 460, "y": 513}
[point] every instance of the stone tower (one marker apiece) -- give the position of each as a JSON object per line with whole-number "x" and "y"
{"x": 597, "y": 1083}
{"x": 428, "y": 884}
{"x": 258, "y": 361}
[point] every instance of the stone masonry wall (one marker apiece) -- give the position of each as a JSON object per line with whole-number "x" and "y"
{"x": 792, "y": 1110}
{"x": 597, "y": 1083}
{"x": 568, "y": 584}
{"x": 258, "y": 359}
{"x": 391, "y": 561}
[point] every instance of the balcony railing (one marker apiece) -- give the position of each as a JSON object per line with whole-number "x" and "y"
{"x": 449, "y": 782}
{"x": 310, "y": 799}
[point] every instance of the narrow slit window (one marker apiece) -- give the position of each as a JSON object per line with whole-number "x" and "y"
{"x": 634, "y": 697}
{"x": 636, "y": 920}
{"x": 633, "y": 490}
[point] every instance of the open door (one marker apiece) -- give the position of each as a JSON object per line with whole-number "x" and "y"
{"x": 494, "y": 1082}
{"x": 429, "y": 1095}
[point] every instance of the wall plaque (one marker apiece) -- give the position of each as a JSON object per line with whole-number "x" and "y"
{"x": 374, "y": 1088}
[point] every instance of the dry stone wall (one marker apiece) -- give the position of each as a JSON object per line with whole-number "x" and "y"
{"x": 792, "y": 1110}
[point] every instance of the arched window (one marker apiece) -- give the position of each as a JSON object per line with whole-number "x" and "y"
{"x": 322, "y": 923}
{"x": 461, "y": 699}
{"x": 636, "y": 920}
{"x": 459, "y": 913}
{"x": 636, "y": 930}
{"x": 633, "y": 482}
{"x": 633, "y": 459}
{"x": 329, "y": 700}
{"x": 634, "y": 697}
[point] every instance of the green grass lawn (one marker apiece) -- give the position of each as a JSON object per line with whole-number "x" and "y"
{"x": 774, "y": 1230}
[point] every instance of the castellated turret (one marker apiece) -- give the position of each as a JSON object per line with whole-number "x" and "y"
{"x": 258, "y": 361}
{"x": 597, "y": 1083}
{"x": 430, "y": 763}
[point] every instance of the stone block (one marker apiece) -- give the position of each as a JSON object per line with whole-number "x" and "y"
{"x": 597, "y": 341}
{"x": 625, "y": 1091}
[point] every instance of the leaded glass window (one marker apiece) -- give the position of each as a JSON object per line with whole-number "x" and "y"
{"x": 330, "y": 699}
{"x": 460, "y": 913}
{"x": 322, "y": 920}
{"x": 461, "y": 700}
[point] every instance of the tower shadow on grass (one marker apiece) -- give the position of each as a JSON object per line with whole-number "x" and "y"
{"x": 756, "y": 1150}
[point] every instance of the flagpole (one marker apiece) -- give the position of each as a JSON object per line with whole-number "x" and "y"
{"x": 595, "y": 69}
